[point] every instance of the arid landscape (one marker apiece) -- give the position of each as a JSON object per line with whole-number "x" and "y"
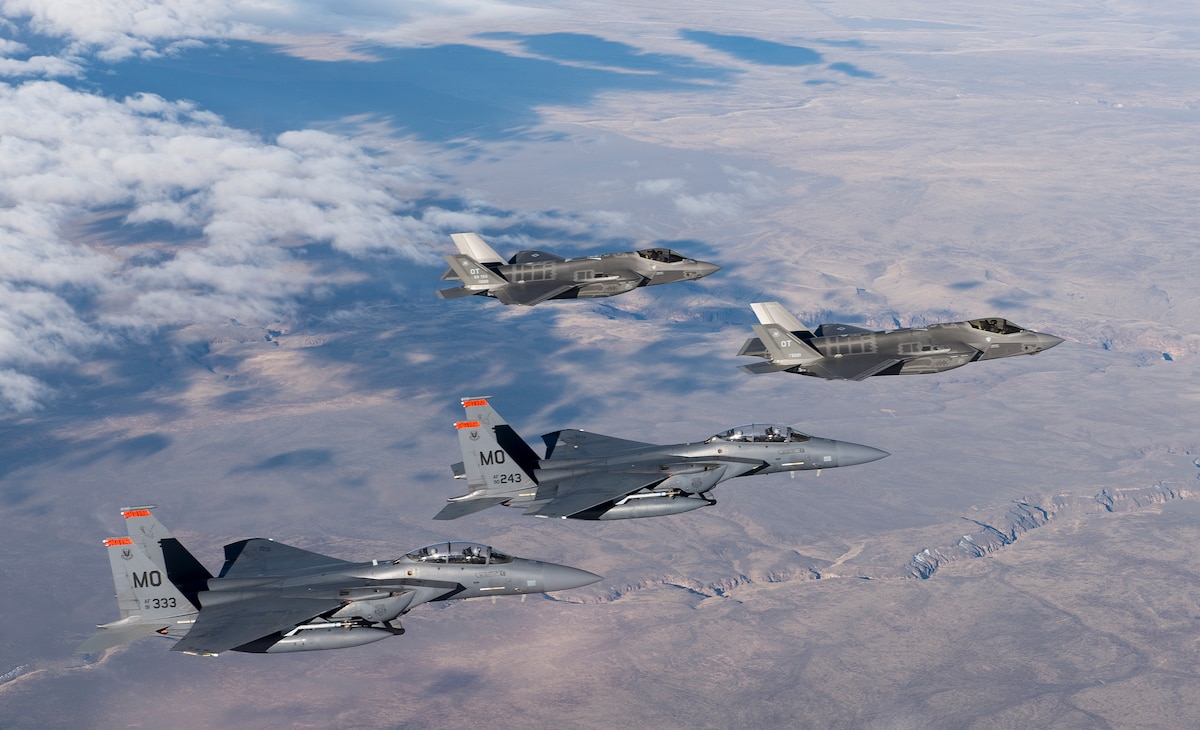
{"x": 220, "y": 238}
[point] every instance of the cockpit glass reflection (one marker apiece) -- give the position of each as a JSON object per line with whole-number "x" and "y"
{"x": 466, "y": 553}
{"x": 761, "y": 433}
{"x": 996, "y": 325}
{"x": 665, "y": 255}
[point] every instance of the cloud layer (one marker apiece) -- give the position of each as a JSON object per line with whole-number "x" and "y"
{"x": 208, "y": 220}
{"x": 117, "y": 29}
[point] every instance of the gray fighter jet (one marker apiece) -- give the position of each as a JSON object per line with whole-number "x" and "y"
{"x": 586, "y": 476}
{"x": 271, "y": 598}
{"x": 532, "y": 277}
{"x": 845, "y": 352}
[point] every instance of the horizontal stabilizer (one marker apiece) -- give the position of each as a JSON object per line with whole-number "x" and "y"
{"x": 454, "y": 510}
{"x": 456, "y": 292}
{"x": 107, "y": 638}
{"x": 761, "y": 368}
{"x": 754, "y": 347}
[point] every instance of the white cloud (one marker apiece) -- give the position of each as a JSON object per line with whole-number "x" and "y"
{"x": 709, "y": 205}
{"x": 227, "y": 211}
{"x": 748, "y": 185}
{"x": 121, "y": 28}
{"x": 20, "y": 392}
{"x": 116, "y": 29}
{"x": 38, "y": 66}
{"x": 661, "y": 186}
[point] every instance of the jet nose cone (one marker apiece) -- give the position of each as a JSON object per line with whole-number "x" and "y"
{"x": 564, "y": 578}
{"x": 703, "y": 268}
{"x": 1045, "y": 342}
{"x": 850, "y": 454}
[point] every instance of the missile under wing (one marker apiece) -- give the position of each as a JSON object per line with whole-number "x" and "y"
{"x": 590, "y": 476}
{"x": 846, "y": 352}
{"x": 274, "y": 598}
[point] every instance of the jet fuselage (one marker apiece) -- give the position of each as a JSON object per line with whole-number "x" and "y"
{"x": 605, "y": 275}
{"x": 935, "y": 348}
{"x": 931, "y": 349}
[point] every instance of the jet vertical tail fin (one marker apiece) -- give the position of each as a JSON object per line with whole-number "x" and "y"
{"x": 182, "y": 569}
{"x": 470, "y": 244}
{"x": 784, "y": 347}
{"x": 473, "y": 275}
{"x": 149, "y": 603}
{"x": 497, "y": 463}
{"x": 774, "y": 313}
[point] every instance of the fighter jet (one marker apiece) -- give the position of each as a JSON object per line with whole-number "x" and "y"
{"x": 845, "y": 352}
{"x": 532, "y": 277}
{"x": 271, "y": 598}
{"x": 586, "y": 476}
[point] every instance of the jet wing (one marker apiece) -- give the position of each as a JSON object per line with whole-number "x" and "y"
{"x": 529, "y": 293}
{"x": 579, "y": 493}
{"x": 222, "y": 626}
{"x": 228, "y": 625}
{"x": 257, "y": 557}
{"x": 532, "y": 257}
{"x": 833, "y": 330}
{"x": 851, "y": 367}
{"x": 574, "y": 444}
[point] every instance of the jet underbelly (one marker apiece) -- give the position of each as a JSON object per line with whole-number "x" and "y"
{"x": 605, "y": 288}
{"x": 936, "y": 362}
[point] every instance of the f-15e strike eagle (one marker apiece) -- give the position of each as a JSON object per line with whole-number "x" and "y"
{"x": 271, "y": 598}
{"x": 845, "y": 352}
{"x": 532, "y": 277}
{"x": 587, "y": 476}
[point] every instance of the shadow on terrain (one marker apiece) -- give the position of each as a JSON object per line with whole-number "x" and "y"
{"x": 298, "y": 459}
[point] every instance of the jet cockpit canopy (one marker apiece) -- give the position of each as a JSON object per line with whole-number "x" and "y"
{"x": 471, "y": 553}
{"x": 665, "y": 255}
{"x": 761, "y": 433}
{"x": 996, "y": 325}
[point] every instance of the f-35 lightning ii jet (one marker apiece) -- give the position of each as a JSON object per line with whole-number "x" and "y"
{"x": 532, "y": 277}
{"x": 845, "y": 352}
{"x": 587, "y": 476}
{"x": 271, "y": 598}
